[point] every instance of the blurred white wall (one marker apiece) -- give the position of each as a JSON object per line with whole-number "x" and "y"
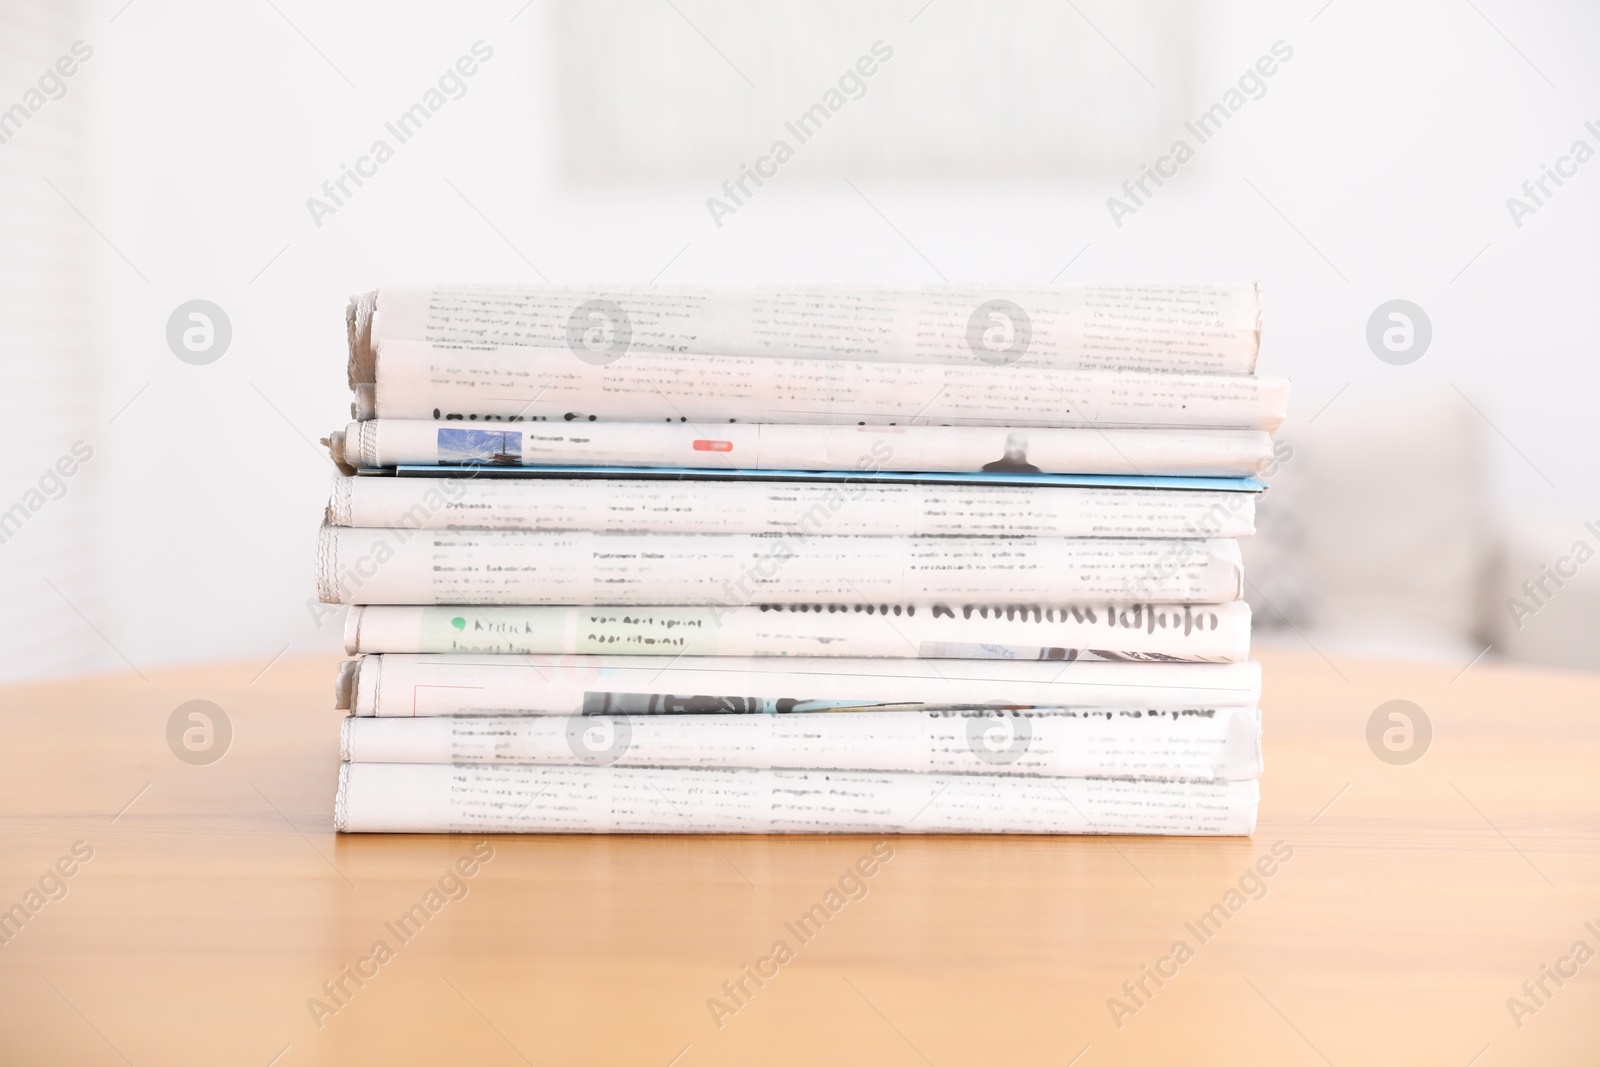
{"x": 1375, "y": 165}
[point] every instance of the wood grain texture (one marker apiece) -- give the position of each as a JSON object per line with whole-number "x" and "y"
{"x": 1418, "y": 900}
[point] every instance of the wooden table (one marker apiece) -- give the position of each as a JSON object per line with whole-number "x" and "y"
{"x": 218, "y": 902}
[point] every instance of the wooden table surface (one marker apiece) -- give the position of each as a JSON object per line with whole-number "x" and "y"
{"x": 1417, "y": 902}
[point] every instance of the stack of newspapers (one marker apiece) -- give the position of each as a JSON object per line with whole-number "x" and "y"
{"x": 815, "y": 559}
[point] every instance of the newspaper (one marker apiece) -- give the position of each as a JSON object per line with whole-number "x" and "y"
{"x": 1208, "y": 633}
{"x": 747, "y": 446}
{"x": 358, "y": 565}
{"x": 419, "y": 380}
{"x": 446, "y": 798}
{"x": 640, "y": 505}
{"x": 408, "y": 685}
{"x": 1203, "y": 743}
{"x": 1199, "y": 329}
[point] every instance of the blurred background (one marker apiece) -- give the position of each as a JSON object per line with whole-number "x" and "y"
{"x": 155, "y": 511}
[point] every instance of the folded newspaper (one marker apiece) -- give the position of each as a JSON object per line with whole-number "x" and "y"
{"x": 1195, "y": 329}
{"x": 1198, "y": 633}
{"x": 1192, "y": 743}
{"x": 359, "y": 565}
{"x": 475, "y": 799}
{"x": 395, "y": 684}
{"x": 848, "y": 450}
{"x": 656, "y": 506}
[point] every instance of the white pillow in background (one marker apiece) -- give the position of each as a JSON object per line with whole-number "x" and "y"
{"x": 1382, "y": 523}
{"x": 1548, "y": 623}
